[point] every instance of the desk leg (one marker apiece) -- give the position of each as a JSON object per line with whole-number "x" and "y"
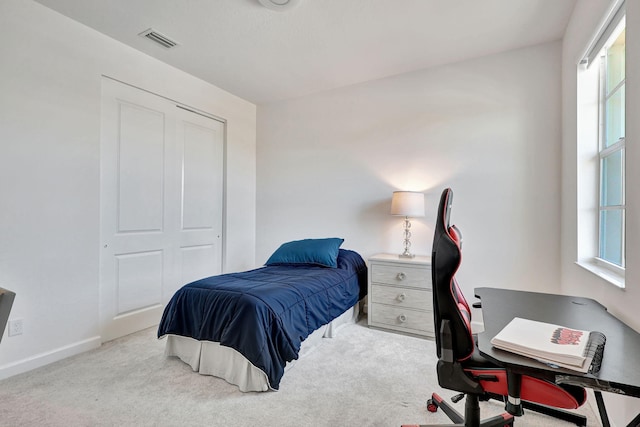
{"x": 601, "y": 408}
{"x": 514, "y": 384}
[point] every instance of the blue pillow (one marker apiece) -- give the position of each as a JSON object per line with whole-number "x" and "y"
{"x": 322, "y": 252}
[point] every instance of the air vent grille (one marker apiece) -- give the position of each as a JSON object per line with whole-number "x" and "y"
{"x": 159, "y": 38}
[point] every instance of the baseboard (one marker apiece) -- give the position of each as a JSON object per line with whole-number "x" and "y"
{"x": 43, "y": 359}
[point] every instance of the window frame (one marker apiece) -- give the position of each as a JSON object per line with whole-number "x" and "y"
{"x": 591, "y": 132}
{"x": 605, "y": 151}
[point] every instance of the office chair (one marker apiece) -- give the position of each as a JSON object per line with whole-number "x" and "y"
{"x": 461, "y": 367}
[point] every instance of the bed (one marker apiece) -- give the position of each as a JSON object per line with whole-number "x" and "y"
{"x": 247, "y": 327}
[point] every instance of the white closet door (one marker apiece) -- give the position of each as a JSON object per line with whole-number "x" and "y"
{"x": 200, "y": 147}
{"x": 161, "y": 205}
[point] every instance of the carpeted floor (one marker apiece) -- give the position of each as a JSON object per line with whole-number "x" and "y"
{"x": 363, "y": 377}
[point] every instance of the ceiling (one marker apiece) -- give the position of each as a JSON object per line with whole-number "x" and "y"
{"x": 265, "y": 56}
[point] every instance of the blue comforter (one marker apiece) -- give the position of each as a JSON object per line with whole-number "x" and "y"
{"x": 266, "y": 313}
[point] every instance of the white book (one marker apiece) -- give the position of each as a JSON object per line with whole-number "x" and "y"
{"x": 552, "y": 344}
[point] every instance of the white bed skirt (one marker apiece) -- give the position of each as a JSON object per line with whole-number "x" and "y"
{"x": 211, "y": 358}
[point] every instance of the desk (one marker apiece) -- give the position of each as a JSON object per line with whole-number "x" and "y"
{"x": 620, "y": 370}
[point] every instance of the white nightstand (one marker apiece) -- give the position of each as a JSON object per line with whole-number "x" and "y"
{"x": 400, "y": 294}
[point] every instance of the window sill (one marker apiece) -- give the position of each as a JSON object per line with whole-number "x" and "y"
{"x": 615, "y": 279}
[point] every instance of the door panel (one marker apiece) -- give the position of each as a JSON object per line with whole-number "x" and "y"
{"x": 194, "y": 261}
{"x": 137, "y": 278}
{"x": 161, "y": 205}
{"x": 141, "y": 157}
{"x": 200, "y": 171}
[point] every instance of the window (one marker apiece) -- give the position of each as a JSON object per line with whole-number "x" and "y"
{"x": 601, "y": 151}
{"x": 611, "y": 151}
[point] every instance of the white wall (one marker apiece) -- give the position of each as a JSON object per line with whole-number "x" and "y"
{"x": 585, "y": 20}
{"x": 50, "y": 76}
{"x": 489, "y": 128}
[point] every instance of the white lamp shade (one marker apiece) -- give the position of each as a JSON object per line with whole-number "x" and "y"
{"x": 407, "y": 203}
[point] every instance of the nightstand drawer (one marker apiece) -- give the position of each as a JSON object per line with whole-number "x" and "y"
{"x": 397, "y": 274}
{"x": 401, "y": 297}
{"x": 400, "y": 318}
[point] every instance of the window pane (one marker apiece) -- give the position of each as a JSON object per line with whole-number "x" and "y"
{"x": 611, "y": 180}
{"x": 611, "y": 236}
{"x": 616, "y": 62}
{"x": 614, "y": 124}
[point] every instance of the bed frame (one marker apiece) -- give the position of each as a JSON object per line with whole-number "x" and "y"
{"x": 211, "y": 358}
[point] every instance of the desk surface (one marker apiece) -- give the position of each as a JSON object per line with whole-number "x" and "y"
{"x": 620, "y": 370}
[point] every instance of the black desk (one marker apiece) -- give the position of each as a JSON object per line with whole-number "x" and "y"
{"x": 620, "y": 370}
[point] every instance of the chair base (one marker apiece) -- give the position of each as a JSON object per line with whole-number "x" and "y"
{"x": 472, "y": 414}
{"x": 561, "y": 414}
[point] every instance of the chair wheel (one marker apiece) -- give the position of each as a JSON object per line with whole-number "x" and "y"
{"x": 431, "y": 406}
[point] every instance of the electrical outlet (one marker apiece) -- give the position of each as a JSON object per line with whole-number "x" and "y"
{"x": 15, "y": 327}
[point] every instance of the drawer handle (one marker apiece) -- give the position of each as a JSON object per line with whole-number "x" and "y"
{"x": 402, "y": 318}
{"x": 401, "y": 276}
{"x": 401, "y": 297}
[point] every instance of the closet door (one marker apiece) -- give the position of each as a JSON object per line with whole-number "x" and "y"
{"x": 161, "y": 205}
{"x": 200, "y": 147}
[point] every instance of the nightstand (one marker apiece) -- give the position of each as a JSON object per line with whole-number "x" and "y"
{"x": 400, "y": 296}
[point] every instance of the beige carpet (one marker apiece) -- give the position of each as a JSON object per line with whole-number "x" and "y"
{"x": 363, "y": 377}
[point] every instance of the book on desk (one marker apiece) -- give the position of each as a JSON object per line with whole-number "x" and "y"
{"x": 554, "y": 345}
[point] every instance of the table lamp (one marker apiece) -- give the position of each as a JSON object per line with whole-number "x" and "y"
{"x": 407, "y": 204}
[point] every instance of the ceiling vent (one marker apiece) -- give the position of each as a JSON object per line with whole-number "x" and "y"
{"x": 159, "y": 38}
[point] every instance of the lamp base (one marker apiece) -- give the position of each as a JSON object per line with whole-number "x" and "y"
{"x": 407, "y": 239}
{"x": 406, "y": 256}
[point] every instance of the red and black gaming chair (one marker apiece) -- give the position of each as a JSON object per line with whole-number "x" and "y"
{"x": 461, "y": 367}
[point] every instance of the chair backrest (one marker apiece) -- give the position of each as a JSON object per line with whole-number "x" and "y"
{"x": 448, "y": 301}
